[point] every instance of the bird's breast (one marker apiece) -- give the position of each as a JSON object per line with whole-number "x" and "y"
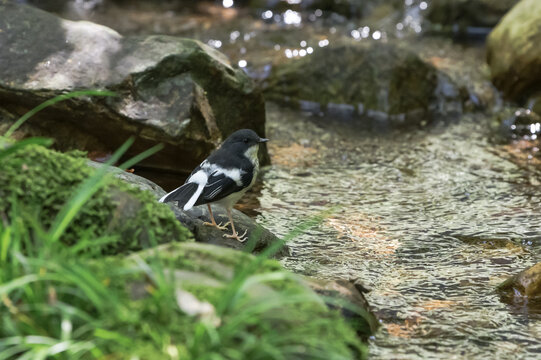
{"x": 252, "y": 155}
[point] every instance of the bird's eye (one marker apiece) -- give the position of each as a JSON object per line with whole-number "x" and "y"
{"x": 245, "y": 140}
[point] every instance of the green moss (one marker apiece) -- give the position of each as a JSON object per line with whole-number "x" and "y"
{"x": 251, "y": 324}
{"x": 40, "y": 181}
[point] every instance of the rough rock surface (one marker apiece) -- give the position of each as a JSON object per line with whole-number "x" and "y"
{"x": 513, "y": 51}
{"x": 194, "y": 218}
{"x": 171, "y": 90}
{"x": 382, "y": 81}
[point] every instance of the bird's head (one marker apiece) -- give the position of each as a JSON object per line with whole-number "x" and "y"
{"x": 245, "y": 141}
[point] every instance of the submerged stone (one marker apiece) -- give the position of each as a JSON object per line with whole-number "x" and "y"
{"x": 176, "y": 91}
{"x": 513, "y": 51}
{"x": 381, "y": 81}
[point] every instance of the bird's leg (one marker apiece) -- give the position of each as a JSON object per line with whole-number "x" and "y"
{"x": 234, "y": 235}
{"x": 213, "y": 223}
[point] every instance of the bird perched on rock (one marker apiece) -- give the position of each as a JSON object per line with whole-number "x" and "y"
{"x": 222, "y": 178}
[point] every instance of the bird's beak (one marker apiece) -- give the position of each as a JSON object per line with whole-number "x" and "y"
{"x": 263, "y": 140}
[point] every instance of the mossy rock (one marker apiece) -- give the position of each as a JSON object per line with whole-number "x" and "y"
{"x": 513, "y": 51}
{"x": 372, "y": 79}
{"x": 207, "y": 273}
{"x": 38, "y": 182}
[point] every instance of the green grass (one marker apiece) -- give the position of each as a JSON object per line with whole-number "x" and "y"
{"x": 65, "y": 300}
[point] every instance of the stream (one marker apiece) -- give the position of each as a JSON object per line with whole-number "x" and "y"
{"x": 431, "y": 221}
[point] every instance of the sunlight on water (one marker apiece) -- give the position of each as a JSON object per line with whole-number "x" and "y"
{"x": 406, "y": 205}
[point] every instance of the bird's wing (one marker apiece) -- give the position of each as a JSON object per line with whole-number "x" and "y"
{"x": 221, "y": 184}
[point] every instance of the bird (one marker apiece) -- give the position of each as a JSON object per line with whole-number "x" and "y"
{"x": 222, "y": 178}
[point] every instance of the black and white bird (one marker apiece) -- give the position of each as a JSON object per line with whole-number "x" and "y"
{"x": 222, "y": 178}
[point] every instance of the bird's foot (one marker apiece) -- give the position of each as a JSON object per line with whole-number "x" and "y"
{"x": 242, "y": 238}
{"x": 217, "y": 226}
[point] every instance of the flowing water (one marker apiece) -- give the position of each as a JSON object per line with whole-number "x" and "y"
{"x": 431, "y": 220}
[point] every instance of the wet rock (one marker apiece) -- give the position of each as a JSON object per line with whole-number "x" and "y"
{"x": 383, "y": 82}
{"x": 195, "y": 217}
{"x": 171, "y": 90}
{"x": 468, "y": 13}
{"x": 522, "y": 123}
{"x": 348, "y": 297}
{"x": 513, "y": 53}
{"x": 523, "y": 288}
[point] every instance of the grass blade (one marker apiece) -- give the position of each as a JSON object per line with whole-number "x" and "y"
{"x": 53, "y": 101}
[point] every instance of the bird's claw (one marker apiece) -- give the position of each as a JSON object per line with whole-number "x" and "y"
{"x": 242, "y": 238}
{"x": 217, "y": 226}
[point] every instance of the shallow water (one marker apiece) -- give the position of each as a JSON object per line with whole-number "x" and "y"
{"x": 431, "y": 221}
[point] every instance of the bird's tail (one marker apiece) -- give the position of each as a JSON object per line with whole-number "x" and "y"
{"x": 186, "y": 195}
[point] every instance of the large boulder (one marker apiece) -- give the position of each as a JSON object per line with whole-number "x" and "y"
{"x": 513, "y": 51}
{"x": 171, "y": 90}
{"x": 194, "y": 218}
{"x": 372, "y": 79}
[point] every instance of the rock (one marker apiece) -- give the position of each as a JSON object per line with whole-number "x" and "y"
{"x": 194, "y": 218}
{"x": 41, "y": 181}
{"x": 513, "y": 53}
{"x": 523, "y": 288}
{"x": 468, "y": 13}
{"x": 243, "y": 223}
{"x": 176, "y": 91}
{"x": 348, "y": 297}
{"x": 383, "y": 82}
{"x": 521, "y": 123}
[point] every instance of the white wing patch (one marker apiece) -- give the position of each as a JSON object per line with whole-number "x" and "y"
{"x": 200, "y": 178}
{"x": 233, "y": 174}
